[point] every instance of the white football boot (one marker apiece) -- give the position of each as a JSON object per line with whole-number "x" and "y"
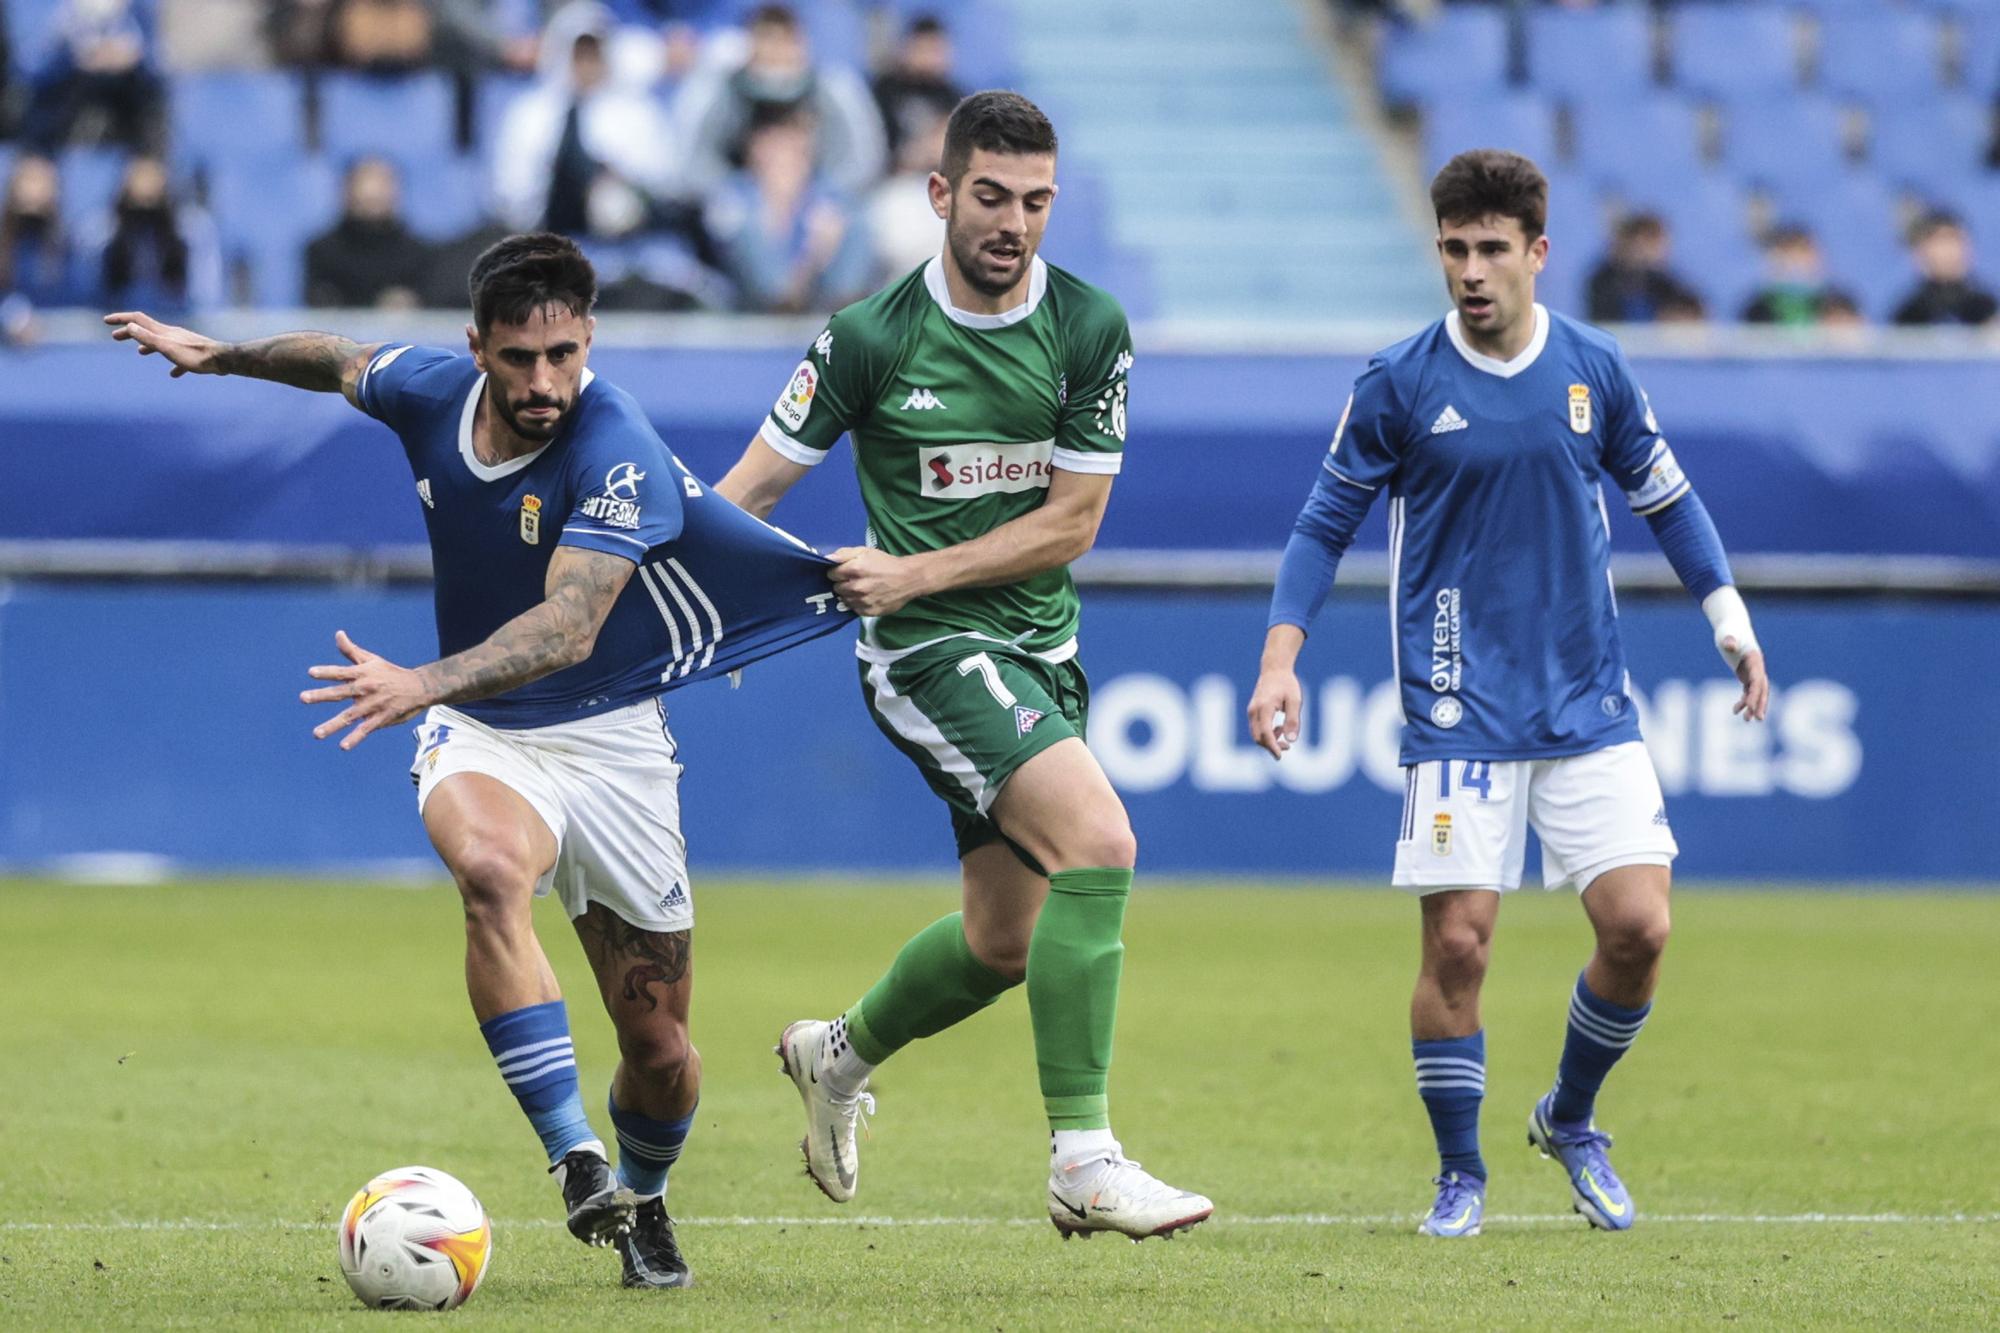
{"x": 1114, "y": 1193}
{"x": 831, "y": 1158}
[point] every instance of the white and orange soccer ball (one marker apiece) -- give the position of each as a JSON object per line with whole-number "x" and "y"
{"x": 414, "y": 1239}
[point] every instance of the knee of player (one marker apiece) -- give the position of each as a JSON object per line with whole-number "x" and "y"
{"x": 1104, "y": 839}
{"x": 1006, "y": 956}
{"x": 1458, "y": 951}
{"x": 494, "y": 880}
{"x": 660, "y": 1054}
{"x": 1638, "y": 938}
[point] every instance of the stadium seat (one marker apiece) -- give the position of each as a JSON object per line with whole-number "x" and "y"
{"x": 1880, "y": 57}
{"x": 413, "y": 114}
{"x": 1521, "y": 122}
{"x": 983, "y": 47}
{"x": 237, "y": 113}
{"x": 90, "y": 180}
{"x": 1857, "y": 222}
{"x": 443, "y": 196}
{"x": 1462, "y": 53}
{"x": 1929, "y": 145}
{"x": 1979, "y": 54}
{"x": 1618, "y": 140}
{"x": 267, "y": 210}
{"x": 1783, "y": 142}
{"x": 1723, "y": 51}
{"x": 1590, "y": 53}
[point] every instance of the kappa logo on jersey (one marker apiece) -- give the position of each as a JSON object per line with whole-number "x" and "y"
{"x": 795, "y": 403}
{"x": 1441, "y": 835}
{"x": 961, "y": 471}
{"x": 923, "y": 400}
{"x": 531, "y": 519}
{"x": 618, "y": 507}
{"x": 824, "y": 345}
{"x": 1025, "y": 719}
{"x": 1579, "y": 408}
{"x": 1448, "y": 420}
{"x": 424, "y": 493}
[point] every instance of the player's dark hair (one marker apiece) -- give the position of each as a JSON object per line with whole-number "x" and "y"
{"x": 1633, "y": 226}
{"x": 997, "y": 122}
{"x": 776, "y": 16}
{"x": 524, "y": 273}
{"x": 1492, "y": 183}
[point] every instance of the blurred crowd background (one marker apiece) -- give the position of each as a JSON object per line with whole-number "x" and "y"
{"x": 1792, "y": 162}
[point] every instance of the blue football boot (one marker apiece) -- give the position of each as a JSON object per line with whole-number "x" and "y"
{"x": 1460, "y": 1206}
{"x": 1598, "y": 1193}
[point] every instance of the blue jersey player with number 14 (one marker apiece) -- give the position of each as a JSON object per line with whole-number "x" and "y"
{"x": 1492, "y": 433}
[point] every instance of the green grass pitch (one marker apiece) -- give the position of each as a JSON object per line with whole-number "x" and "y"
{"x": 194, "y": 1078}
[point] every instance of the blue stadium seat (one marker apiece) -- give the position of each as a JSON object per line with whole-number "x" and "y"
{"x": 444, "y": 196}
{"x": 1722, "y": 51}
{"x": 90, "y": 180}
{"x": 490, "y": 100}
{"x": 1460, "y": 54}
{"x": 1590, "y": 53}
{"x": 1783, "y": 142}
{"x": 982, "y": 38}
{"x": 267, "y": 210}
{"x": 1880, "y": 57}
{"x": 1620, "y": 140}
{"x": 1932, "y": 144}
{"x": 1856, "y": 220}
{"x": 234, "y": 114}
{"x": 1520, "y": 122}
{"x": 359, "y": 113}
{"x": 1980, "y": 53}
{"x": 1707, "y": 213}
{"x": 1576, "y": 241}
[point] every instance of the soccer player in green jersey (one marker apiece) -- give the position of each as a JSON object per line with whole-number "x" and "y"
{"x": 985, "y": 396}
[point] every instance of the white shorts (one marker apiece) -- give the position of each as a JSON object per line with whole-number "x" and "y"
{"x": 607, "y": 786}
{"x": 1465, "y": 822}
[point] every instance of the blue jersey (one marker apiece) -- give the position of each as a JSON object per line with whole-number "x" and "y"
{"x": 715, "y": 588}
{"x": 1505, "y": 627}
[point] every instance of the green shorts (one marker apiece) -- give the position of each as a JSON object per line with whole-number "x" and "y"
{"x": 968, "y": 712}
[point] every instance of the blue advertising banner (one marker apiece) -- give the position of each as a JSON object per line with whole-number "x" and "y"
{"x": 164, "y": 721}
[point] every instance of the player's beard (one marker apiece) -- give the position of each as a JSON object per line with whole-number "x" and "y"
{"x": 969, "y": 254}
{"x": 528, "y": 428}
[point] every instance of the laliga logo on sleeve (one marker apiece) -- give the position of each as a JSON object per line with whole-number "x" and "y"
{"x": 797, "y": 400}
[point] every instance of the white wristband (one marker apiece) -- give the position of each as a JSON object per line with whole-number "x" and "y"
{"x": 1730, "y": 619}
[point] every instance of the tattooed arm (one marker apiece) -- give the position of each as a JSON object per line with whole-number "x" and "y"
{"x": 321, "y": 362}
{"x": 559, "y": 631}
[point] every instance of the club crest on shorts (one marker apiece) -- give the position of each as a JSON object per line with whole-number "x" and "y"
{"x": 531, "y": 519}
{"x": 1579, "y": 408}
{"x": 1025, "y": 719}
{"x": 1441, "y": 835}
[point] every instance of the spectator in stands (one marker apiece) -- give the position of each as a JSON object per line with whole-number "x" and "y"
{"x": 905, "y": 229}
{"x": 718, "y": 106}
{"x": 98, "y": 79}
{"x": 1795, "y": 291}
{"x": 370, "y": 257}
{"x": 157, "y": 252}
{"x": 786, "y": 237}
{"x": 1948, "y": 293}
{"x": 1633, "y": 284}
{"x": 579, "y": 153}
{"x": 37, "y": 263}
{"x": 917, "y": 89}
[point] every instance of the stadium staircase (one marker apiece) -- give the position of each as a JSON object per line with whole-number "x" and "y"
{"x": 1234, "y": 183}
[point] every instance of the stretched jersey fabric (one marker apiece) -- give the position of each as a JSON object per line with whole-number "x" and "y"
{"x": 715, "y": 588}
{"x": 958, "y": 421}
{"x": 1504, "y": 623}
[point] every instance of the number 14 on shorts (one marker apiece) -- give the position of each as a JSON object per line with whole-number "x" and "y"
{"x": 1476, "y": 775}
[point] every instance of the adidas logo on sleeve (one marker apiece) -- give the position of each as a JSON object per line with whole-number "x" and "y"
{"x": 1448, "y": 420}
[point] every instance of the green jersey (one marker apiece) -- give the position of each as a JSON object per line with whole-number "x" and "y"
{"x": 958, "y": 421}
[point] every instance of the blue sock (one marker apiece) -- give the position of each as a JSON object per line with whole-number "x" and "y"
{"x": 647, "y": 1148}
{"x": 1451, "y": 1078}
{"x": 533, "y": 1050}
{"x": 1599, "y": 1032}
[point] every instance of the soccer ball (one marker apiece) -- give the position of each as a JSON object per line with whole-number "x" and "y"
{"x": 414, "y": 1239}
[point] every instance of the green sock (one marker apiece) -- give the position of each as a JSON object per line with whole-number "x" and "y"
{"x": 1073, "y": 963}
{"x": 934, "y": 982}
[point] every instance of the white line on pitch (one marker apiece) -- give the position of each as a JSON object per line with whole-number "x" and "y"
{"x": 1272, "y": 1220}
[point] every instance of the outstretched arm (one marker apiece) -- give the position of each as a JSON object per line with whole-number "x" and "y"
{"x": 875, "y": 583}
{"x": 760, "y": 478}
{"x": 559, "y": 631}
{"x": 321, "y": 362}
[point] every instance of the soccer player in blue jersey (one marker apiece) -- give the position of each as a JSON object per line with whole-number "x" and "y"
{"x": 581, "y": 572}
{"x": 1493, "y": 432}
